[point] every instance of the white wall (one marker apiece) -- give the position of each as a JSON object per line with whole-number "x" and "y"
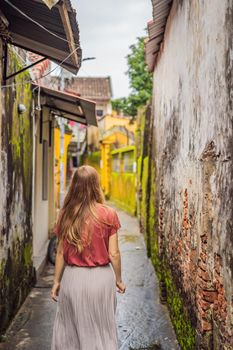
{"x": 44, "y": 210}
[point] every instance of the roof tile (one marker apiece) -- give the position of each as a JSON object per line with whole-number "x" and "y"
{"x": 94, "y": 88}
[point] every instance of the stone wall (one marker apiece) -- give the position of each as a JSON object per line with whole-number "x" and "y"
{"x": 191, "y": 173}
{"x": 16, "y": 271}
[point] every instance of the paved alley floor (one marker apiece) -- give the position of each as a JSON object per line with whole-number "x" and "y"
{"x": 143, "y": 323}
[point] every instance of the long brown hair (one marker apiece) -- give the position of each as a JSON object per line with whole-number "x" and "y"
{"x": 80, "y": 203}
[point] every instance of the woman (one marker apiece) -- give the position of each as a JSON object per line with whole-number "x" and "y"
{"x": 84, "y": 279}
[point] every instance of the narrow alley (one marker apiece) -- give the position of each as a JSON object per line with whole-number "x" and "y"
{"x": 143, "y": 323}
{"x": 140, "y": 96}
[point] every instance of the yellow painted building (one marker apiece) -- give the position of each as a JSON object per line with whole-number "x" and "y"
{"x": 116, "y": 160}
{"x": 110, "y": 120}
{"x": 123, "y": 179}
{"x": 115, "y": 138}
{"x": 105, "y": 123}
{"x": 60, "y": 162}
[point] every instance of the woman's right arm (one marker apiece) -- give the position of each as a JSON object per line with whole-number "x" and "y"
{"x": 115, "y": 258}
{"x": 59, "y": 269}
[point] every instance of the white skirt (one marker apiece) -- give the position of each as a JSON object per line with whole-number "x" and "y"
{"x": 85, "y": 316}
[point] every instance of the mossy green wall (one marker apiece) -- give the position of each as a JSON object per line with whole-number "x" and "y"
{"x": 148, "y": 202}
{"x": 144, "y": 181}
{"x": 16, "y": 270}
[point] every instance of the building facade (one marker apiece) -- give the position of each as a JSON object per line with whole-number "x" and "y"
{"x": 97, "y": 89}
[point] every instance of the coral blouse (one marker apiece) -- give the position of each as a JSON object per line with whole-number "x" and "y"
{"x": 96, "y": 253}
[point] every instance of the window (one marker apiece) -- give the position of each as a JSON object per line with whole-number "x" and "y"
{"x": 74, "y": 161}
{"x": 128, "y": 162}
{"x": 116, "y": 163}
{"x": 99, "y": 112}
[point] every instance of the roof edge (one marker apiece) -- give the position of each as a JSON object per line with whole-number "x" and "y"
{"x": 156, "y": 30}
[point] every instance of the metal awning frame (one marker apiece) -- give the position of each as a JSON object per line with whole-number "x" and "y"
{"x": 23, "y": 69}
{"x": 64, "y": 114}
{"x": 66, "y": 105}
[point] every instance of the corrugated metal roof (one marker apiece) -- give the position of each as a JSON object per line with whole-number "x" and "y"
{"x": 4, "y": 32}
{"x": 156, "y": 29}
{"x": 67, "y": 105}
{"x": 28, "y": 35}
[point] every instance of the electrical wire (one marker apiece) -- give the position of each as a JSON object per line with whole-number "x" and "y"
{"x": 35, "y": 22}
{"x": 43, "y": 76}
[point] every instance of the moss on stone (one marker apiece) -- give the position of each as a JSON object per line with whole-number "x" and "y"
{"x": 16, "y": 270}
{"x": 27, "y": 254}
{"x": 185, "y": 332}
{"x": 146, "y": 175}
{"x": 144, "y": 193}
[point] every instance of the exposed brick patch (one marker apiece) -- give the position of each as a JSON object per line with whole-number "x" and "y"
{"x": 205, "y": 293}
{"x": 186, "y": 224}
{"x": 220, "y": 313}
{"x": 211, "y": 301}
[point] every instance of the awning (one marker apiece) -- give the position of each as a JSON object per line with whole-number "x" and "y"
{"x": 53, "y": 33}
{"x": 67, "y": 105}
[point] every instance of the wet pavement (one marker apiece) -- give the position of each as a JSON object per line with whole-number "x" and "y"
{"x": 143, "y": 323}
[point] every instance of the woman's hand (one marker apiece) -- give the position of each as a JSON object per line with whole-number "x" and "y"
{"x": 120, "y": 287}
{"x": 55, "y": 291}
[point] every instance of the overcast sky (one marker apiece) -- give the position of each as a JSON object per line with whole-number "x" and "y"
{"x": 107, "y": 29}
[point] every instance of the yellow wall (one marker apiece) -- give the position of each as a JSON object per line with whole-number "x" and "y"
{"x": 58, "y": 160}
{"x": 105, "y": 167}
{"x": 94, "y": 134}
{"x": 110, "y": 120}
{"x": 105, "y": 151}
{"x": 117, "y": 138}
{"x": 123, "y": 183}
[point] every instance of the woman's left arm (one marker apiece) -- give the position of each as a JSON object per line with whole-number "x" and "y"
{"x": 59, "y": 268}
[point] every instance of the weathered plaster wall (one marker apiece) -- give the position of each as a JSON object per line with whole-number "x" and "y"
{"x": 193, "y": 119}
{"x": 16, "y": 269}
{"x": 143, "y": 155}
